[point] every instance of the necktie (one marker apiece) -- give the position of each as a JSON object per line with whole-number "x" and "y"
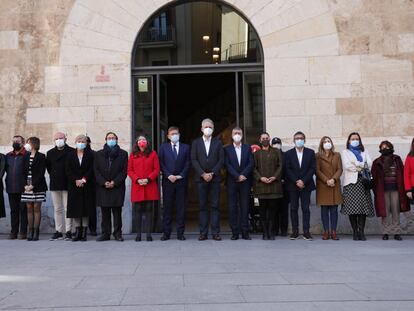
{"x": 175, "y": 151}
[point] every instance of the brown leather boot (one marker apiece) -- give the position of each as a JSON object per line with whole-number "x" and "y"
{"x": 334, "y": 236}
{"x": 325, "y": 235}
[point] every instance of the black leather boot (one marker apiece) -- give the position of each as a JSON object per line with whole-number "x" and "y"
{"x": 84, "y": 234}
{"x": 354, "y": 225}
{"x": 361, "y": 226}
{"x": 36, "y": 234}
{"x": 265, "y": 227}
{"x": 77, "y": 235}
{"x": 270, "y": 231}
{"x": 30, "y": 235}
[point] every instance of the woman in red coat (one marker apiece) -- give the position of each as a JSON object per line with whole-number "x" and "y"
{"x": 409, "y": 172}
{"x": 143, "y": 169}
{"x": 390, "y": 198}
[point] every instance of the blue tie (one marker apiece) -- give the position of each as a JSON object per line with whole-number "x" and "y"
{"x": 175, "y": 151}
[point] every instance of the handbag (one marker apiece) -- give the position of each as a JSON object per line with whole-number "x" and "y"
{"x": 367, "y": 179}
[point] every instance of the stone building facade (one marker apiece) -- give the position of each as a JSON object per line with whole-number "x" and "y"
{"x": 331, "y": 67}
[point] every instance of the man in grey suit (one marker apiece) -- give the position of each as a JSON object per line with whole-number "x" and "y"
{"x": 207, "y": 158}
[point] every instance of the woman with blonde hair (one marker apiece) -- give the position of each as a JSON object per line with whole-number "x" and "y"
{"x": 328, "y": 186}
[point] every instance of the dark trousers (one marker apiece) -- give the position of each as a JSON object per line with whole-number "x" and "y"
{"x": 209, "y": 192}
{"x": 106, "y": 223}
{"x": 92, "y": 219}
{"x": 239, "y": 200}
{"x": 267, "y": 209}
{"x": 282, "y": 214}
{"x": 329, "y": 214}
{"x": 304, "y": 197}
{"x": 18, "y": 214}
{"x": 174, "y": 193}
{"x": 144, "y": 209}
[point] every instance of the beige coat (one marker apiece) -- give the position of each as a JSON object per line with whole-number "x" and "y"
{"x": 328, "y": 168}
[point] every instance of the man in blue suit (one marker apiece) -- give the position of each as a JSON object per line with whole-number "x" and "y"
{"x": 174, "y": 160}
{"x": 239, "y": 162}
{"x": 300, "y": 168}
{"x": 207, "y": 157}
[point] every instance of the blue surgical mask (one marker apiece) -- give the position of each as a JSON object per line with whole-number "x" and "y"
{"x": 175, "y": 138}
{"x": 355, "y": 143}
{"x": 80, "y": 146}
{"x": 299, "y": 143}
{"x": 111, "y": 142}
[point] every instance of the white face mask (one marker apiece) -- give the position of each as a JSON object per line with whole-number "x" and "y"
{"x": 59, "y": 142}
{"x": 175, "y": 138}
{"x": 237, "y": 138}
{"x": 28, "y": 147}
{"x": 207, "y": 131}
{"x": 277, "y": 146}
{"x": 327, "y": 146}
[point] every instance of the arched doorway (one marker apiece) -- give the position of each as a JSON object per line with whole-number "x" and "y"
{"x": 192, "y": 60}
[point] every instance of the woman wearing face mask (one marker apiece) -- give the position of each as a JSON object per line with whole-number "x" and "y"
{"x": 267, "y": 183}
{"x": 35, "y": 189}
{"x": 143, "y": 169}
{"x": 328, "y": 186}
{"x": 110, "y": 168}
{"x": 81, "y": 187}
{"x": 390, "y": 198}
{"x": 357, "y": 200}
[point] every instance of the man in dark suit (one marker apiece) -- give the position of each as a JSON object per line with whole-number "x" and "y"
{"x": 174, "y": 160}
{"x": 239, "y": 162}
{"x": 207, "y": 157}
{"x": 300, "y": 169}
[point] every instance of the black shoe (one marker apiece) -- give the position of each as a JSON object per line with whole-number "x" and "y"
{"x": 93, "y": 233}
{"x": 138, "y": 238}
{"x": 31, "y": 234}
{"x": 307, "y": 236}
{"x": 234, "y": 237}
{"x": 22, "y": 236}
{"x": 181, "y": 237}
{"x": 216, "y": 237}
{"x": 294, "y": 235}
{"x": 36, "y": 235}
{"x": 68, "y": 236}
{"x": 84, "y": 234}
{"x": 246, "y": 236}
{"x": 202, "y": 237}
{"x": 12, "y": 236}
{"x": 149, "y": 238}
{"x": 385, "y": 237}
{"x": 165, "y": 237}
{"x": 397, "y": 237}
{"x": 77, "y": 235}
{"x": 103, "y": 237}
{"x": 119, "y": 238}
{"x": 56, "y": 236}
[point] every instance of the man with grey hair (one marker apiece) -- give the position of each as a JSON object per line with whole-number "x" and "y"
{"x": 207, "y": 157}
{"x": 55, "y": 164}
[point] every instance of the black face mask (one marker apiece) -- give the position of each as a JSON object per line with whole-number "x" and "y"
{"x": 386, "y": 152}
{"x": 16, "y": 146}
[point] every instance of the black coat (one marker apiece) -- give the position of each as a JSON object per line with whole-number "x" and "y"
{"x": 80, "y": 199}
{"x": 15, "y": 181}
{"x": 55, "y": 165}
{"x": 38, "y": 172}
{"x": 110, "y": 165}
{"x": 2, "y": 171}
{"x": 207, "y": 163}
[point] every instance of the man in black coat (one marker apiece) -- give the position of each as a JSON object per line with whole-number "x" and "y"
{"x": 55, "y": 164}
{"x": 15, "y": 183}
{"x": 110, "y": 167}
{"x": 207, "y": 157}
{"x": 300, "y": 169}
{"x": 92, "y": 212}
{"x": 2, "y": 171}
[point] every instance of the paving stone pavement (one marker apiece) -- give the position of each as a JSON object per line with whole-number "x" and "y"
{"x": 195, "y": 276}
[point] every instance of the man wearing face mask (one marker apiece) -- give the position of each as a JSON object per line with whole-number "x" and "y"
{"x": 239, "y": 162}
{"x": 15, "y": 183}
{"x": 174, "y": 158}
{"x": 207, "y": 157}
{"x": 281, "y": 220}
{"x": 55, "y": 165}
{"x": 300, "y": 169}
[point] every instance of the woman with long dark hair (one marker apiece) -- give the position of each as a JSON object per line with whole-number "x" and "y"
{"x": 357, "y": 199}
{"x": 143, "y": 169}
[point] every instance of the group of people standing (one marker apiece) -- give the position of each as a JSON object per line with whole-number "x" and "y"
{"x": 81, "y": 179}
